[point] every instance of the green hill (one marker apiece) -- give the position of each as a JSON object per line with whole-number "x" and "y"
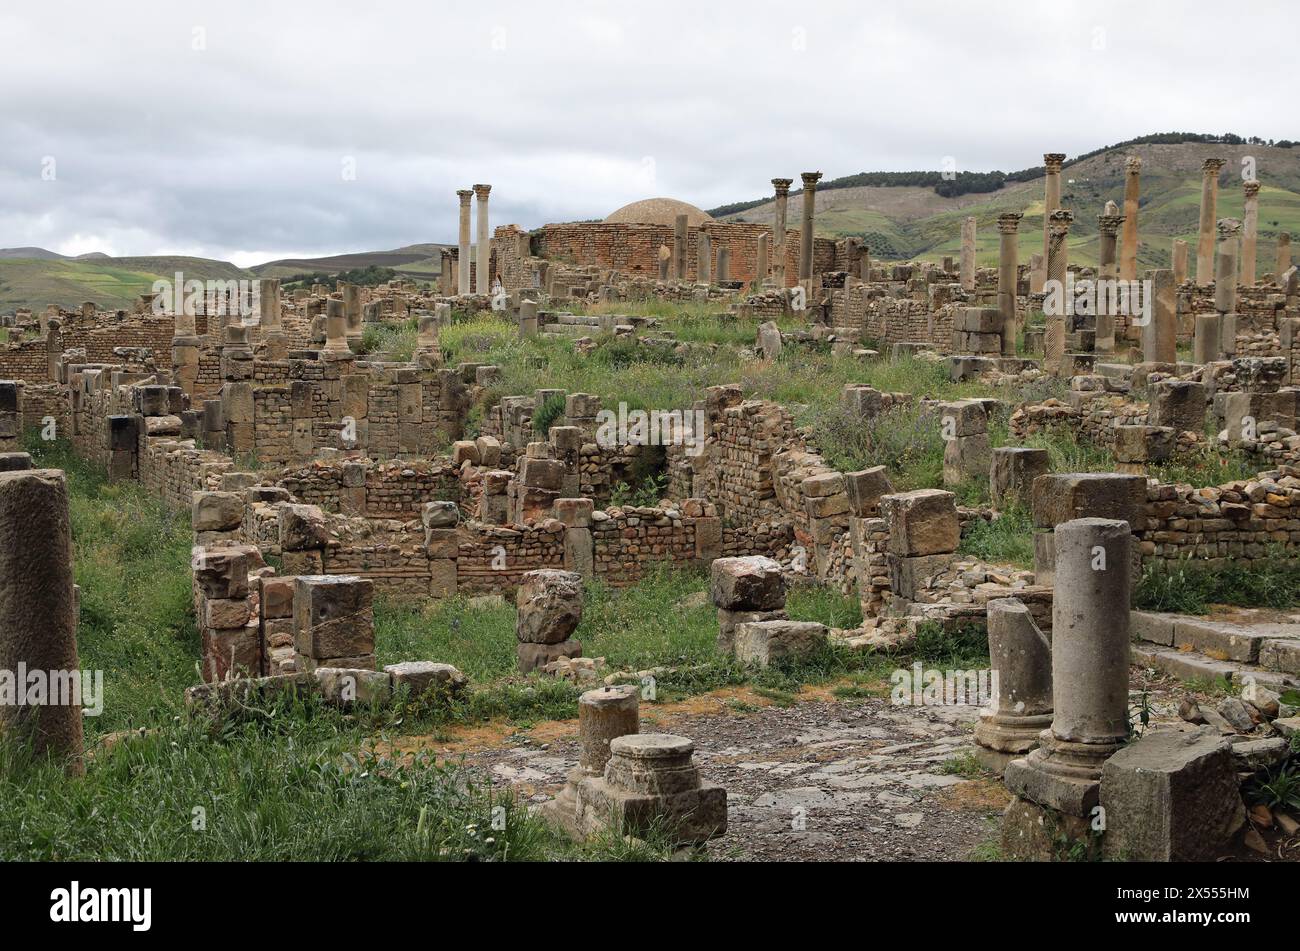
{"x": 902, "y": 222}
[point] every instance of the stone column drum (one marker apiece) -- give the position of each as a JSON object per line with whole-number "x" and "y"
{"x": 1108, "y": 225}
{"x": 604, "y": 714}
{"x": 1021, "y": 657}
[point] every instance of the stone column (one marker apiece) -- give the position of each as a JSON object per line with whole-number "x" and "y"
{"x": 1283, "y": 256}
{"x": 679, "y": 247}
{"x": 462, "y": 260}
{"x": 268, "y": 306}
{"x": 761, "y": 266}
{"x": 605, "y": 714}
{"x": 1008, "y": 251}
{"x": 1090, "y": 663}
{"x": 352, "y": 314}
{"x": 1250, "y": 233}
{"x": 1021, "y": 656}
{"x": 1225, "y": 284}
{"x": 1205, "y": 233}
{"x": 704, "y": 259}
{"x": 968, "y": 254}
{"x": 483, "y": 266}
{"x": 1180, "y": 260}
{"x": 1057, "y": 260}
{"x": 1128, "y": 266}
{"x": 38, "y": 610}
{"x": 810, "y": 180}
{"x": 1160, "y": 335}
{"x": 724, "y": 264}
{"x": 1108, "y": 224}
{"x": 1051, "y": 194}
{"x": 779, "y": 254}
{"x": 336, "y": 326}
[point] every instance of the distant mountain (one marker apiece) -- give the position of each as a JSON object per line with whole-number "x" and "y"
{"x": 36, "y": 254}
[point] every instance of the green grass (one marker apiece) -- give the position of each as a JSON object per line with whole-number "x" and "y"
{"x": 390, "y": 341}
{"x": 131, "y": 561}
{"x": 1007, "y": 539}
{"x": 1190, "y": 587}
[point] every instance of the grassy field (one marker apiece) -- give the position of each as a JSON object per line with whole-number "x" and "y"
{"x": 110, "y": 283}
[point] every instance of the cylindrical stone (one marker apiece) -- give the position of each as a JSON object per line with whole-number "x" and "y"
{"x": 810, "y": 180}
{"x": 1090, "y": 630}
{"x": 38, "y": 613}
{"x": 462, "y": 248}
{"x": 605, "y": 714}
{"x": 483, "y": 265}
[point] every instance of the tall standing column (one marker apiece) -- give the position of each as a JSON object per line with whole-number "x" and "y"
{"x": 704, "y": 259}
{"x": 1055, "y": 304}
{"x": 38, "y": 611}
{"x": 352, "y": 314}
{"x": 1008, "y": 252}
{"x": 1108, "y": 225}
{"x": 483, "y": 266}
{"x": 761, "y": 263}
{"x": 810, "y": 180}
{"x": 1283, "y": 256}
{"x": 462, "y": 260}
{"x": 1128, "y": 261}
{"x": 968, "y": 254}
{"x": 1051, "y": 194}
{"x": 1249, "y": 233}
{"x": 779, "y": 252}
{"x": 1205, "y": 233}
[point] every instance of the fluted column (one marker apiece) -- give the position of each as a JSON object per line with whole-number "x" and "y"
{"x": 779, "y": 253}
{"x": 1008, "y": 253}
{"x": 462, "y": 260}
{"x": 1128, "y": 266}
{"x": 1249, "y": 233}
{"x": 810, "y": 180}
{"x": 483, "y": 266}
{"x": 1283, "y": 263}
{"x": 1205, "y": 233}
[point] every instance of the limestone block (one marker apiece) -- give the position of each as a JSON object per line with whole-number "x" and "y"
{"x": 302, "y": 527}
{"x": 923, "y": 522}
{"x": 531, "y": 655}
{"x": 345, "y": 686}
{"x": 1171, "y": 796}
{"x": 753, "y": 583}
{"x": 1060, "y": 497}
{"x": 763, "y": 642}
{"x": 550, "y": 606}
{"x": 865, "y": 489}
{"x": 422, "y": 676}
{"x": 333, "y": 616}
{"x": 216, "y": 511}
{"x": 1012, "y": 472}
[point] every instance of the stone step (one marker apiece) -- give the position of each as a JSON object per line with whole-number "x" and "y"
{"x": 1192, "y": 665}
{"x": 1272, "y": 645}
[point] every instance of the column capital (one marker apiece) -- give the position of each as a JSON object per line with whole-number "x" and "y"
{"x": 1009, "y": 221}
{"x": 1228, "y": 228}
{"x": 1109, "y": 224}
{"x": 464, "y": 194}
{"x": 1060, "y": 220}
{"x": 1133, "y": 164}
{"x": 782, "y": 186}
{"x": 1251, "y": 188}
{"x": 481, "y": 191}
{"x": 810, "y": 179}
{"x": 1211, "y": 166}
{"x": 1052, "y": 161}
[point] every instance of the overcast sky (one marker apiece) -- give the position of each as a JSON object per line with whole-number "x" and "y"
{"x": 250, "y": 131}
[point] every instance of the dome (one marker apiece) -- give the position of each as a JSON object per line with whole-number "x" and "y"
{"x": 659, "y": 211}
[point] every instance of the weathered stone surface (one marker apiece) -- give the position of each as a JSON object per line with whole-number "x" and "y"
{"x": 753, "y": 583}
{"x": 346, "y": 686}
{"x": 217, "y": 511}
{"x": 865, "y": 489}
{"x": 550, "y": 606}
{"x": 764, "y": 642}
{"x": 302, "y": 527}
{"x": 333, "y": 616}
{"x": 923, "y": 522}
{"x": 604, "y": 714}
{"x": 421, "y": 676}
{"x": 531, "y": 656}
{"x": 1060, "y": 497}
{"x": 1171, "y": 796}
{"x": 1012, "y": 471}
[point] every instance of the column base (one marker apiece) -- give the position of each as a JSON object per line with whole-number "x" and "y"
{"x": 1061, "y": 774}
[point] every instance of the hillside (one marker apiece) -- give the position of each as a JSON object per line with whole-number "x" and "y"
{"x": 903, "y": 222}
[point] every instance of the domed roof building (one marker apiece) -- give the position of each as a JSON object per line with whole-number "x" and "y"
{"x": 659, "y": 211}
